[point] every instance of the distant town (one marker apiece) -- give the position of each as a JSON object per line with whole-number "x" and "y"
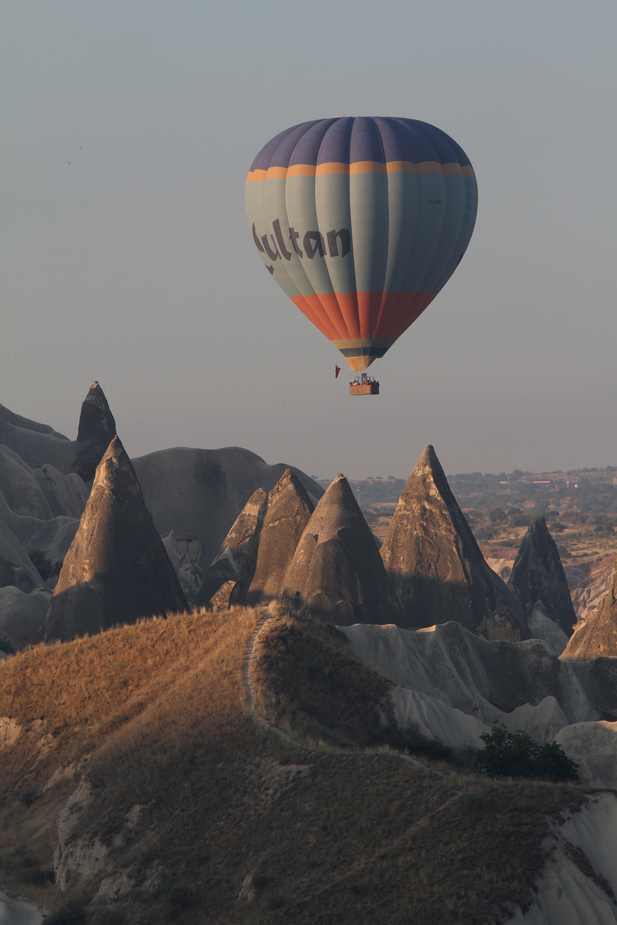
{"x": 587, "y": 493}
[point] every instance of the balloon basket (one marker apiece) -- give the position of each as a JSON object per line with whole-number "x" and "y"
{"x": 364, "y": 385}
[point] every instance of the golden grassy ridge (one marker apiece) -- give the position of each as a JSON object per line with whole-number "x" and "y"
{"x": 235, "y": 823}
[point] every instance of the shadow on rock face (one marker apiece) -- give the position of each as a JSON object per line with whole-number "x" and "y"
{"x": 420, "y": 600}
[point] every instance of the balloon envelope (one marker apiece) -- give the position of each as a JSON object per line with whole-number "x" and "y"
{"x": 361, "y": 221}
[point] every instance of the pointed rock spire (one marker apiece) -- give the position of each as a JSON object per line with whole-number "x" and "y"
{"x": 337, "y": 570}
{"x": 538, "y": 577}
{"x": 288, "y": 512}
{"x": 116, "y": 569}
{"x": 96, "y": 428}
{"x": 596, "y": 637}
{"x": 436, "y": 569}
{"x": 238, "y": 554}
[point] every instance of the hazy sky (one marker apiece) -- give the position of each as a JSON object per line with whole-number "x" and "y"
{"x": 127, "y": 128}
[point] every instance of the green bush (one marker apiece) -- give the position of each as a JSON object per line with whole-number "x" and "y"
{"x": 516, "y": 754}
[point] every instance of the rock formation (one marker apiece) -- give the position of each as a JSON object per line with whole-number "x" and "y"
{"x": 16, "y": 567}
{"x": 22, "y": 616}
{"x": 66, "y": 493}
{"x": 436, "y": 569}
{"x": 185, "y": 556}
{"x": 237, "y": 558}
{"x": 597, "y": 635}
{"x": 452, "y": 686}
{"x": 336, "y": 570}
{"x": 588, "y": 582}
{"x": 39, "y": 446}
{"x": 228, "y": 595}
{"x": 97, "y": 428}
{"x": 43, "y": 541}
{"x": 288, "y": 512}
{"x": 538, "y": 577}
{"x": 197, "y": 494}
{"x": 193, "y": 495}
{"x": 20, "y": 488}
{"x": 541, "y": 626}
{"x": 31, "y": 499}
{"x": 116, "y": 569}
{"x": 40, "y": 503}
{"x": 35, "y": 443}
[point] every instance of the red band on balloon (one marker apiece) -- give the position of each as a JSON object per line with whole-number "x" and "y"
{"x": 367, "y": 315}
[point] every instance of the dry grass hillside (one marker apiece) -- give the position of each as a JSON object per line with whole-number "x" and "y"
{"x": 176, "y": 780}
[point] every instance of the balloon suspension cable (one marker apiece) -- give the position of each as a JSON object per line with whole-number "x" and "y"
{"x": 364, "y": 385}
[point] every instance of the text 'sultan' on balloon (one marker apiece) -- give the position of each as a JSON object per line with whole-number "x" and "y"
{"x": 361, "y": 221}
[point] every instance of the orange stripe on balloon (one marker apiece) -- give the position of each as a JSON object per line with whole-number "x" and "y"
{"x": 348, "y": 306}
{"x": 365, "y": 167}
{"x": 330, "y": 311}
{"x": 308, "y": 170}
{"x": 311, "y": 170}
{"x": 357, "y": 167}
{"x": 312, "y": 307}
{"x": 341, "y": 310}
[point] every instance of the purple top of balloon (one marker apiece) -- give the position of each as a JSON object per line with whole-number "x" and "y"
{"x": 360, "y": 138}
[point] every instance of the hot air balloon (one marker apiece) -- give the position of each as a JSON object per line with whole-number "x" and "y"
{"x": 361, "y": 221}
